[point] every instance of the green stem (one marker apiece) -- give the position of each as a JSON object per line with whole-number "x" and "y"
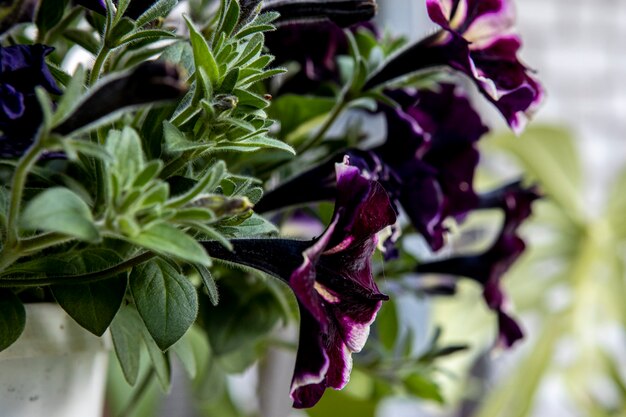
{"x": 339, "y": 107}
{"x": 98, "y": 65}
{"x": 24, "y": 165}
{"x": 79, "y": 279}
{"x": 138, "y": 393}
{"x": 46, "y": 240}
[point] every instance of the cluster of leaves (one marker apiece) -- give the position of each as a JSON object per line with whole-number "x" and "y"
{"x": 119, "y": 216}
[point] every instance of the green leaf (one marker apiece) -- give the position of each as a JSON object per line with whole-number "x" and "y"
{"x": 230, "y": 18}
{"x": 247, "y": 98}
{"x": 125, "y": 146}
{"x": 184, "y": 351}
{"x": 161, "y": 8}
{"x": 209, "y": 283}
{"x": 149, "y": 173}
{"x": 548, "y": 156}
{"x": 146, "y": 34}
{"x": 166, "y": 301}
{"x": 60, "y": 210}
{"x": 240, "y": 318}
{"x": 93, "y": 305}
{"x": 169, "y": 240}
{"x": 126, "y": 331}
{"x": 180, "y": 53}
{"x": 83, "y": 38}
{"x": 255, "y": 144}
{"x": 202, "y": 55}
{"x": 252, "y": 48}
{"x": 387, "y": 325}
{"x": 255, "y": 225}
{"x": 86, "y": 148}
{"x": 50, "y": 13}
{"x": 12, "y": 318}
{"x": 207, "y": 184}
{"x": 423, "y": 387}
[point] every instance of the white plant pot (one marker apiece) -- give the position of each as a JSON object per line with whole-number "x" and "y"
{"x": 55, "y": 369}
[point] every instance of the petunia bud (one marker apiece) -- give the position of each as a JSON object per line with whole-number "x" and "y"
{"x": 342, "y": 12}
{"x": 150, "y": 82}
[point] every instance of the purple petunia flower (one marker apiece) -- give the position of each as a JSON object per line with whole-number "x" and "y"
{"x": 477, "y": 39}
{"x": 332, "y": 280}
{"x": 493, "y": 62}
{"x": 426, "y": 165}
{"x": 22, "y": 68}
{"x": 488, "y": 268}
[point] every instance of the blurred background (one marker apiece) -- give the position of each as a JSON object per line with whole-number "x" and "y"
{"x": 569, "y": 289}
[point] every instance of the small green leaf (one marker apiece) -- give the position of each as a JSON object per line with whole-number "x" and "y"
{"x": 125, "y": 146}
{"x": 93, "y": 305}
{"x": 161, "y": 8}
{"x": 207, "y": 184}
{"x": 12, "y": 318}
{"x": 255, "y": 225}
{"x": 50, "y": 13}
{"x": 247, "y": 98}
{"x": 60, "y": 210}
{"x": 202, "y": 55}
{"x": 147, "y": 34}
{"x": 423, "y": 387}
{"x": 387, "y": 325}
{"x": 126, "y": 331}
{"x": 169, "y": 240}
{"x": 209, "y": 283}
{"x": 166, "y": 301}
{"x": 184, "y": 352}
{"x": 149, "y": 173}
{"x": 87, "y": 148}
{"x": 83, "y": 38}
{"x": 229, "y": 18}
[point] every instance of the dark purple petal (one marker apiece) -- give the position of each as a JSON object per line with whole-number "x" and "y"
{"x": 343, "y": 12}
{"x": 22, "y": 68}
{"x": 332, "y": 280}
{"x": 307, "y": 384}
{"x": 98, "y": 6}
{"x": 509, "y": 331}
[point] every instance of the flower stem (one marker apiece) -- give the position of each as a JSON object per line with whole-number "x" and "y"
{"x": 339, "y": 107}
{"x": 22, "y": 168}
{"x": 98, "y": 65}
{"x": 78, "y": 279}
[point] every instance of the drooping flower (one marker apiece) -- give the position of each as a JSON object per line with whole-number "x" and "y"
{"x": 426, "y": 165}
{"x": 477, "y": 39}
{"x": 22, "y": 68}
{"x": 488, "y": 267}
{"x": 332, "y": 280}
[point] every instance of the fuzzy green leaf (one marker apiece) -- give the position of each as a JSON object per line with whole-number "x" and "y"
{"x": 93, "y": 305}
{"x": 169, "y": 240}
{"x": 165, "y": 299}
{"x": 60, "y": 210}
{"x": 12, "y": 318}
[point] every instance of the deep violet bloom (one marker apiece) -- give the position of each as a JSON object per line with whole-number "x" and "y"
{"x": 488, "y": 267}
{"x": 22, "y": 68}
{"x": 476, "y": 39}
{"x": 426, "y": 165}
{"x": 332, "y": 279}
